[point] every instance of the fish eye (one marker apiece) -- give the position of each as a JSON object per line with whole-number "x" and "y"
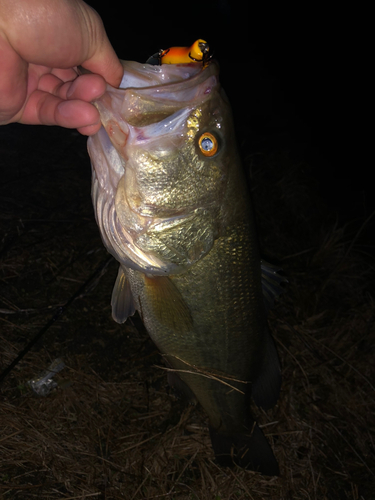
{"x": 208, "y": 144}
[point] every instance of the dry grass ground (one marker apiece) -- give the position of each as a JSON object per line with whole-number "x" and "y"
{"x": 112, "y": 429}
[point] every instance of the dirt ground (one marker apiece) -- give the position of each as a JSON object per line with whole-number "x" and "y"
{"x": 112, "y": 428}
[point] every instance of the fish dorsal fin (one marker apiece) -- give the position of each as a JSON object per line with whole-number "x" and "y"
{"x": 271, "y": 283}
{"x": 167, "y": 304}
{"x": 122, "y": 299}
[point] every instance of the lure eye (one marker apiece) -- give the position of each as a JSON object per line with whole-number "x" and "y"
{"x": 208, "y": 144}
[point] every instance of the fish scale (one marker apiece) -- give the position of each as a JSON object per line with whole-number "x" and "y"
{"x": 178, "y": 219}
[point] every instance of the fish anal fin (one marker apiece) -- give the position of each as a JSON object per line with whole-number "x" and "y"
{"x": 122, "y": 299}
{"x": 181, "y": 388}
{"x": 265, "y": 388}
{"x": 167, "y": 304}
{"x": 248, "y": 450}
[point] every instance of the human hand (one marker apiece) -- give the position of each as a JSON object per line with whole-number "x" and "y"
{"x": 41, "y": 44}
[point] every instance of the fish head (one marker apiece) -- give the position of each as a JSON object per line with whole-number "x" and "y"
{"x": 161, "y": 163}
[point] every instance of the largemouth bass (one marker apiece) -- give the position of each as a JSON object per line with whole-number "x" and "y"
{"x": 173, "y": 207}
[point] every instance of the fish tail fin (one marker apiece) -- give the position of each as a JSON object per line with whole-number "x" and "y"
{"x": 265, "y": 389}
{"x": 249, "y": 451}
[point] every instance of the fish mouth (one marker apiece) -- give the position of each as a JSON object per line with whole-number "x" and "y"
{"x": 170, "y": 89}
{"x": 139, "y": 75}
{"x": 151, "y": 94}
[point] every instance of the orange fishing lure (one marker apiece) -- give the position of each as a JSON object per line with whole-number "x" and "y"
{"x": 198, "y": 52}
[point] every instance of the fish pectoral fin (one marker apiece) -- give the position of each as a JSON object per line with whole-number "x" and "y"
{"x": 122, "y": 299}
{"x": 248, "y": 450}
{"x": 167, "y": 304}
{"x": 265, "y": 388}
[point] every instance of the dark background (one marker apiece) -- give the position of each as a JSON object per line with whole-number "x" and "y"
{"x": 299, "y": 79}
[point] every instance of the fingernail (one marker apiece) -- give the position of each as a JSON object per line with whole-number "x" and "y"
{"x": 71, "y": 89}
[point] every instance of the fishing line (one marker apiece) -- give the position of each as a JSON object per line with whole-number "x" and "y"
{"x": 87, "y": 286}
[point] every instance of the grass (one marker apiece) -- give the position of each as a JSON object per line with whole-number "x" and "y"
{"x": 112, "y": 429}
